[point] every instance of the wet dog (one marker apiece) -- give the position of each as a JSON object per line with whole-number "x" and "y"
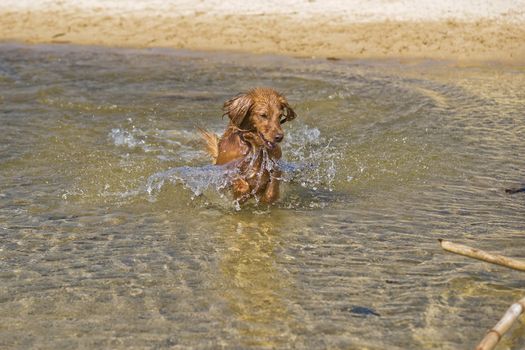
{"x": 251, "y": 143}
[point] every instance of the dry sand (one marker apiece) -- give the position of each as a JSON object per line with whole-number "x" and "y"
{"x": 472, "y": 31}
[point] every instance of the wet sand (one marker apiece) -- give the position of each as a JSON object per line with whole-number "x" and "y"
{"x": 476, "y": 31}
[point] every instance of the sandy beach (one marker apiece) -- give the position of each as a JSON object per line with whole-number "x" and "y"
{"x": 458, "y": 30}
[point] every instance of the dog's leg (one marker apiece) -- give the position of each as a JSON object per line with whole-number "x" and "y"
{"x": 241, "y": 189}
{"x": 271, "y": 194}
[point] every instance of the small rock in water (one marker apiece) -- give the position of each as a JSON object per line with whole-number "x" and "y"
{"x": 363, "y": 311}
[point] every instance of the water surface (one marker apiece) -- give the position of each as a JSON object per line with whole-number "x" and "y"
{"x": 113, "y": 233}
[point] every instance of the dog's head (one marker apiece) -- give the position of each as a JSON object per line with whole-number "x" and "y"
{"x": 261, "y": 110}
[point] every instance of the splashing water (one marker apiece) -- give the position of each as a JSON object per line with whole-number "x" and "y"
{"x": 127, "y": 138}
{"x": 166, "y": 145}
{"x": 309, "y": 160}
{"x": 197, "y": 179}
{"x": 312, "y": 159}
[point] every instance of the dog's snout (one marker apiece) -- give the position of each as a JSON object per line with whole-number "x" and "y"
{"x": 279, "y": 137}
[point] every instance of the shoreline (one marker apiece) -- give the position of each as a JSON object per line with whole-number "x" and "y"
{"x": 481, "y": 39}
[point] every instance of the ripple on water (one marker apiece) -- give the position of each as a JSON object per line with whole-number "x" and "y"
{"x": 115, "y": 230}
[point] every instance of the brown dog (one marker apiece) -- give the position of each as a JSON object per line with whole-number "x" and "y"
{"x": 251, "y": 142}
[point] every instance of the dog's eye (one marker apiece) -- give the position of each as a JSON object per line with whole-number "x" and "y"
{"x": 264, "y": 116}
{"x": 282, "y": 118}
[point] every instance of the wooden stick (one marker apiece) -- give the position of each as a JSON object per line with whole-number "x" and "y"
{"x": 482, "y": 255}
{"x": 494, "y": 335}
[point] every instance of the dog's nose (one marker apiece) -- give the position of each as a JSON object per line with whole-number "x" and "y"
{"x": 279, "y": 137}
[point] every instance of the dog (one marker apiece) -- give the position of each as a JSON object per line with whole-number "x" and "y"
{"x": 250, "y": 143}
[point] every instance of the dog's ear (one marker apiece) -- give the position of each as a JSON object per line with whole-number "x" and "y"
{"x": 289, "y": 113}
{"x": 237, "y": 108}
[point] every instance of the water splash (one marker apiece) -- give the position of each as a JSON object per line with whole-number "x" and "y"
{"x": 196, "y": 179}
{"x": 166, "y": 145}
{"x": 122, "y": 137}
{"x": 309, "y": 161}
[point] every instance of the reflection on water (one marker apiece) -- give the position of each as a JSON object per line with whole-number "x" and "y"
{"x": 252, "y": 285}
{"x": 115, "y": 232}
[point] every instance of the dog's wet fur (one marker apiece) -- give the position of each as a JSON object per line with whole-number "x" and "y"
{"x": 251, "y": 142}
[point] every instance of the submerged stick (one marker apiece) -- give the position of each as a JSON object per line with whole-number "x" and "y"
{"x": 482, "y": 255}
{"x": 494, "y": 335}
{"x": 514, "y": 190}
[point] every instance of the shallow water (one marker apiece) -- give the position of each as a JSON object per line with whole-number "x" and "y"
{"x": 113, "y": 233}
